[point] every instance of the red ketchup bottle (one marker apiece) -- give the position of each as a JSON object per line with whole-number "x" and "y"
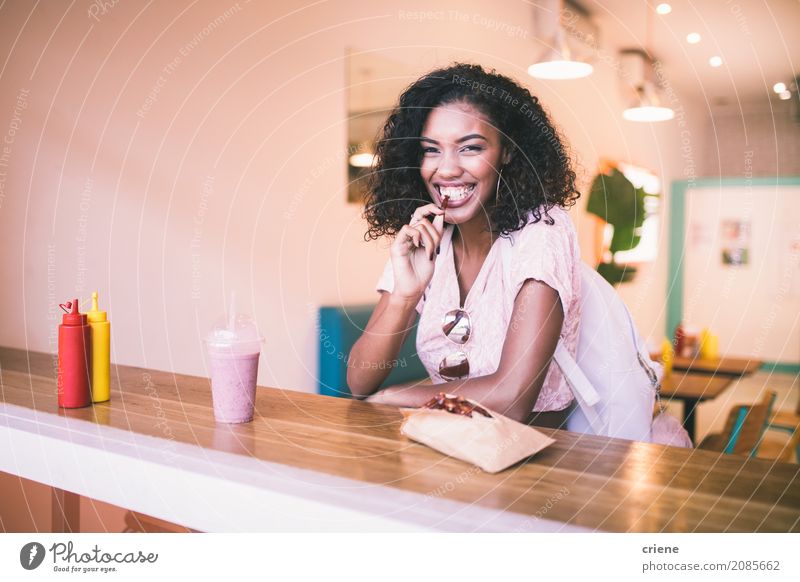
{"x": 74, "y": 358}
{"x": 680, "y": 340}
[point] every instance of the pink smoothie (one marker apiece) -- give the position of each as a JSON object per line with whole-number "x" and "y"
{"x": 233, "y": 386}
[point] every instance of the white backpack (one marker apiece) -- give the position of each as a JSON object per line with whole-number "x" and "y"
{"x": 613, "y": 379}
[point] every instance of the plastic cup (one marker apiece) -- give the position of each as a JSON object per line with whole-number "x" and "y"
{"x": 233, "y": 352}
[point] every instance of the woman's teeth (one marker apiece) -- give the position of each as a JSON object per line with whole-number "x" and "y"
{"x": 456, "y": 192}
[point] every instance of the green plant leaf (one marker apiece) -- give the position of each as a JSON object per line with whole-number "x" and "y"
{"x": 616, "y": 200}
{"x": 625, "y": 238}
{"x": 616, "y": 274}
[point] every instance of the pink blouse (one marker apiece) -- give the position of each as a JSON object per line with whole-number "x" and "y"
{"x": 547, "y": 253}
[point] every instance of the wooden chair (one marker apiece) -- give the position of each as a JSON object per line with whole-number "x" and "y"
{"x": 744, "y": 429}
{"x": 777, "y": 449}
{"x": 789, "y": 423}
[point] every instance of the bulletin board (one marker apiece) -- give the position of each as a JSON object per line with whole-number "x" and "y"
{"x": 735, "y": 265}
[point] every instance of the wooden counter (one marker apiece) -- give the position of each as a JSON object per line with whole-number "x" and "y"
{"x": 309, "y": 462}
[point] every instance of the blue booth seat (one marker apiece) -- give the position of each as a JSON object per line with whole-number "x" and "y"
{"x": 339, "y": 328}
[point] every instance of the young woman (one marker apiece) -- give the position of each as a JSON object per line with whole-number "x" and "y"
{"x": 472, "y": 180}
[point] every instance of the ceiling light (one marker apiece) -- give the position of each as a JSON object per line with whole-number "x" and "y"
{"x": 641, "y": 88}
{"x": 648, "y": 113}
{"x": 647, "y": 106}
{"x": 556, "y": 62}
{"x": 560, "y": 69}
{"x": 779, "y": 87}
{"x": 693, "y": 38}
{"x": 784, "y": 95}
{"x": 363, "y": 160}
{"x": 664, "y": 8}
{"x": 715, "y": 61}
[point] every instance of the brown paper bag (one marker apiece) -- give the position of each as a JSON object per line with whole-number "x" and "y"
{"x": 490, "y": 443}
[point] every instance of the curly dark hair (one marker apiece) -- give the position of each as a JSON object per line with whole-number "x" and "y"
{"x": 537, "y": 177}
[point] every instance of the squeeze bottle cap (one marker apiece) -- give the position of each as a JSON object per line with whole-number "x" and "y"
{"x": 94, "y": 314}
{"x": 72, "y": 317}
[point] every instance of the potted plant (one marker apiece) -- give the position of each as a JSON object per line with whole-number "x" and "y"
{"x": 615, "y": 200}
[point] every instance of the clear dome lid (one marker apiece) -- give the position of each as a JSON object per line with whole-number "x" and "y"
{"x": 238, "y": 334}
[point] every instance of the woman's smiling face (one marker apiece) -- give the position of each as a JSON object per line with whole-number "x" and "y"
{"x": 461, "y": 155}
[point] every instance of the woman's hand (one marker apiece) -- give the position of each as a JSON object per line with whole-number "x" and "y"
{"x": 413, "y": 252}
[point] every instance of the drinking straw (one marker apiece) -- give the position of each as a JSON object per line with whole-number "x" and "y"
{"x": 232, "y": 312}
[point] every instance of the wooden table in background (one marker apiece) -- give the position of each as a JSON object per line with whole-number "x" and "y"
{"x": 693, "y": 389}
{"x": 734, "y": 367}
{"x": 309, "y": 462}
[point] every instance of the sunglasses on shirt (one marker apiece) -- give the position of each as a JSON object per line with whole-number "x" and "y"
{"x": 456, "y": 327}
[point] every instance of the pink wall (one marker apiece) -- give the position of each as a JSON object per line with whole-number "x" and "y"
{"x": 765, "y": 141}
{"x": 168, "y": 153}
{"x": 198, "y": 148}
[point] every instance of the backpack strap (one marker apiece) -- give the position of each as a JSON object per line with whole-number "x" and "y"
{"x": 581, "y": 387}
{"x": 643, "y": 359}
{"x": 580, "y": 384}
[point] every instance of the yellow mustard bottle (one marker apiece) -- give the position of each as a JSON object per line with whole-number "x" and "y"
{"x": 712, "y": 347}
{"x": 101, "y": 352}
{"x": 704, "y": 343}
{"x": 667, "y": 356}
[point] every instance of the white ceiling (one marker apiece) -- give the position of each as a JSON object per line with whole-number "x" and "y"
{"x": 757, "y": 39}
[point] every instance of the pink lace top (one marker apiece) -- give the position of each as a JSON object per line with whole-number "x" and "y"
{"x": 547, "y": 253}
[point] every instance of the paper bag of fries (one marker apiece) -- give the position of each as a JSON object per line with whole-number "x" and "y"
{"x": 465, "y": 430}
